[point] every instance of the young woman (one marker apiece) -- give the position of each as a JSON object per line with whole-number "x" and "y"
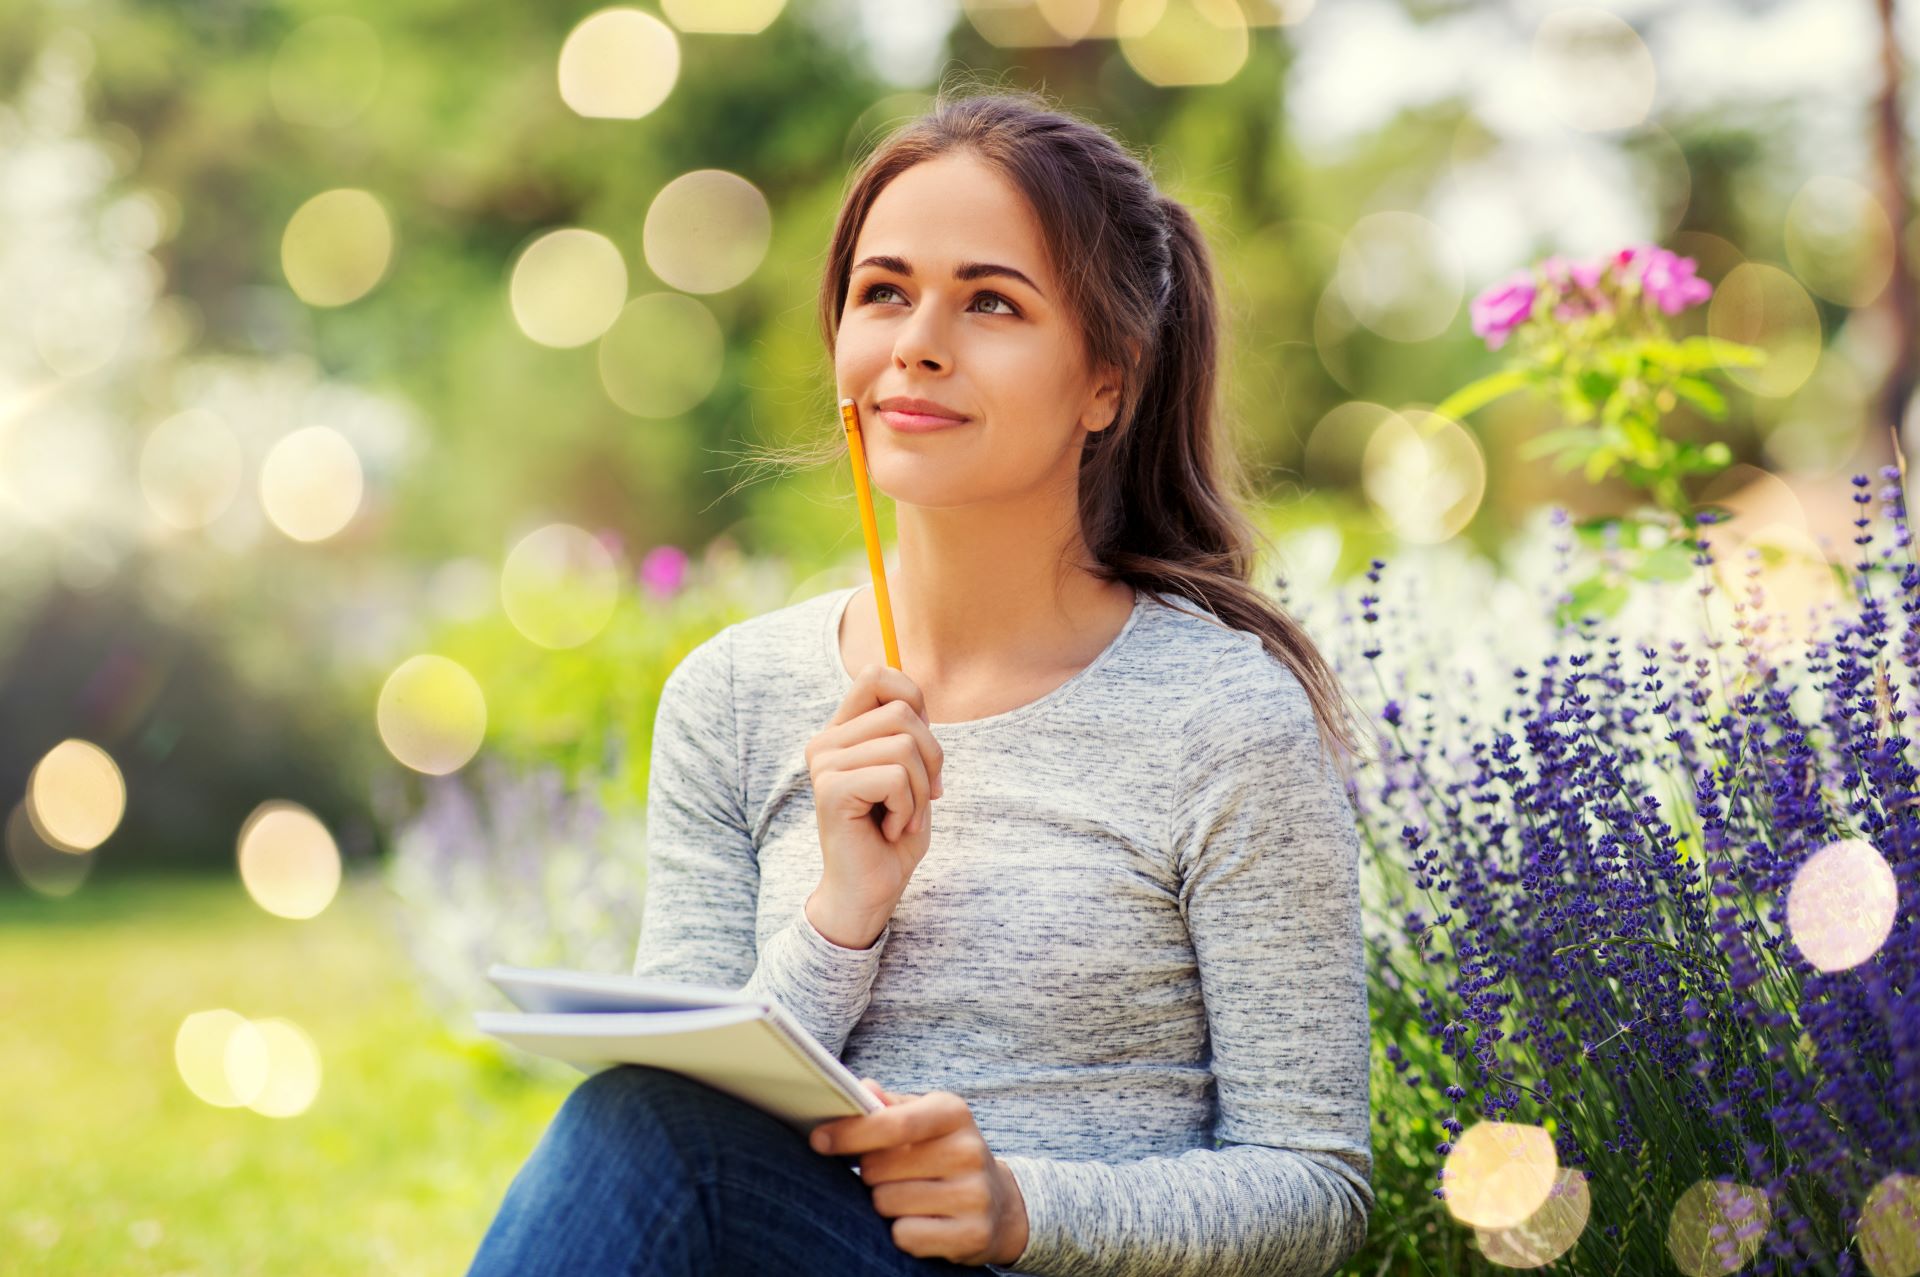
{"x": 1077, "y": 891}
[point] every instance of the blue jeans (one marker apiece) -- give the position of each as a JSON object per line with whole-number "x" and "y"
{"x": 645, "y": 1173}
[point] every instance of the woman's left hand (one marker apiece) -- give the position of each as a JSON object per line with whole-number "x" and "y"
{"x": 930, "y": 1170}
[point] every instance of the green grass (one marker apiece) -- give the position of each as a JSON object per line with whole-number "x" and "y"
{"x": 112, "y": 1166}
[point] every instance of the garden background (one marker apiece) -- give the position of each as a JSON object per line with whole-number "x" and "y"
{"x": 382, "y": 394}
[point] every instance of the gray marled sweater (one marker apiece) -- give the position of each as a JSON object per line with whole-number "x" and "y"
{"x": 1133, "y": 946}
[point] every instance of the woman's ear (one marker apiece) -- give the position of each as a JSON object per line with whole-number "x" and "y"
{"x": 1103, "y": 404}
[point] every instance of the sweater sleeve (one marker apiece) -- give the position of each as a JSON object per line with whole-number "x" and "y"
{"x": 1267, "y": 848}
{"x": 698, "y": 914}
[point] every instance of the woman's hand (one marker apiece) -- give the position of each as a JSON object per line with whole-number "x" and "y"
{"x": 930, "y": 1171}
{"x": 876, "y": 755}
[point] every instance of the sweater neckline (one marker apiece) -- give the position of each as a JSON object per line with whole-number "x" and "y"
{"x": 830, "y": 637}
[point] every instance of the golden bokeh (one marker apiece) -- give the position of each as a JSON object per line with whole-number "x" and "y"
{"x": 44, "y": 869}
{"x": 1024, "y": 24}
{"x": 1401, "y": 276}
{"x": 1840, "y": 241}
{"x": 432, "y": 715}
{"x": 1425, "y": 475}
{"x": 325, "y": 72}
{"x": 337, "y": 246}
{"x": 190, "y": 469}
{"x": 1889, "y": 1228}
{"x": 1841, "y": 906}
{"x": 559, "y": 586}
{"x": 1175, "y": 42}
{"x": 707, "y": 231}
{"x": 1548, "y": 1233}
{"x": 76, "y": 795}
{"x": 618, "y": 64}
{"x": 310, "y": 483}
{"x": 1497, "y": 1174}
{"x": 662, "y": 356}
{"x": 292, "y": 1075}
{"x": 1593, "y": 70}
{"x": 1717, "y": 1228}
{"x": 1336, "y": 449}
{"x": 289, "y": 863}
{"x": 722, "y": 17}
{"x": 221, "y": 1057}
{"x": 567, "y": 288}
{"x": 1761, "y": 305}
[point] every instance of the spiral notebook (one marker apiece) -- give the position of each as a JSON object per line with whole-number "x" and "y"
{"x": 746, "y": 1046}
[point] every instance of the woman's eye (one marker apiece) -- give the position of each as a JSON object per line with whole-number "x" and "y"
{"x": 872, "y": 293}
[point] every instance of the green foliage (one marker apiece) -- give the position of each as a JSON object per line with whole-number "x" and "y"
{"x": 114, "y": 1166}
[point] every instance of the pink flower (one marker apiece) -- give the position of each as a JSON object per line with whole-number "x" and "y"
{"x": 664, "y": 570}
{"x": 1667, "y": 278}
{"x": 1503, "y": 307}
{"x": 1562, "y": 271}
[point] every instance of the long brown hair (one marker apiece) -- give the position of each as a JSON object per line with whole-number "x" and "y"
{"x": 1160, "y": 495}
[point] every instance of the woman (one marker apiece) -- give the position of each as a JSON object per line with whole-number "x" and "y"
{"x": 1076, "y": 892}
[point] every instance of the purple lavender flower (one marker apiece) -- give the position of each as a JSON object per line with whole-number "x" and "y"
{"x": 1503, "y": 307}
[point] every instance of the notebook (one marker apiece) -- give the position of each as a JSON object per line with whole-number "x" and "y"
{"x": 746, "y": 1046}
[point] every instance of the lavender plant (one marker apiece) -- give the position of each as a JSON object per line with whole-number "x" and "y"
{"x": 1594, "y": 908}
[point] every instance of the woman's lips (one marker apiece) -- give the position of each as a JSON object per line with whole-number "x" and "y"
{"x": 919, "y": 422}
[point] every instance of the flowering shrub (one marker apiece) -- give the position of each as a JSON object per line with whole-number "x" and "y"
{"x": 1654, "y": 904}
{"x": 1593, "y": 336}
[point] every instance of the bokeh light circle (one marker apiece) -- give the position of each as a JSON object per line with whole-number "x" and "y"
{"x": 1841, "y": 906}
{"x": 559, "y": 586}
{"x": 722, "y": 17}
{"x": 1497, "y": 1174}
{"x": 432, "y": 715}
{"x": 76, "y": 795}
{"x": 1889, "y": 1228}
{"x": 662, "y": 356}
{"x": 1593, "y": 70}
{"x": 291, "y": 1080}
{"x": 707, "y": 231}
{"x": 568, "y": 287}
{"x": 289, "y": 863}
{"x": 1425, "y": 475}
{"x": 618, "y": 64}
{"x": 1175, "y": 42}
{"x": 336, "y": 247}
{"x": 43, "y": 868}
{"x": 1761, "y": 305}
{"x": 221, "y": 1057}
{"x": 1548, "y": 1233}
{"x": 190, "y": 469}
{"x": 311, "y": 483}
{"x": 1401, "y": 276}
{"x": 1839, "y": 241}
{"x": 1717, "y": 1227}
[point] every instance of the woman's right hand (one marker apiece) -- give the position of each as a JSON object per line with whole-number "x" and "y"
{"x": 876, "y": 770}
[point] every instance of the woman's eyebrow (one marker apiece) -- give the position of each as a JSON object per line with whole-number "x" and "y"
{"x": 965, "y": 270}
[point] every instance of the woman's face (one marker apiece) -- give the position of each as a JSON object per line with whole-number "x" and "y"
{"x": 999, "y": 347}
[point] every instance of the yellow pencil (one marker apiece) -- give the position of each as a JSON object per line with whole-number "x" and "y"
{"x": 850, "y": 417}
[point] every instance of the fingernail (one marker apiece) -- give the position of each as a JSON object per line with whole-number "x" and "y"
{"x": 822, "y": 1141}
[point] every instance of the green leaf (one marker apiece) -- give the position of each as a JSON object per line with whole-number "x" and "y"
{"x": 1696, "y": 353}
{"x": 1478, "y": 394}
{"x": 1671, "y": 562}
{"x": 1554, "y": 440}
{"x": 1703, "y": 395}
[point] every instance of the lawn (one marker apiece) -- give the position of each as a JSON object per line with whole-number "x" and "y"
{"x": 112, "y": 1164}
